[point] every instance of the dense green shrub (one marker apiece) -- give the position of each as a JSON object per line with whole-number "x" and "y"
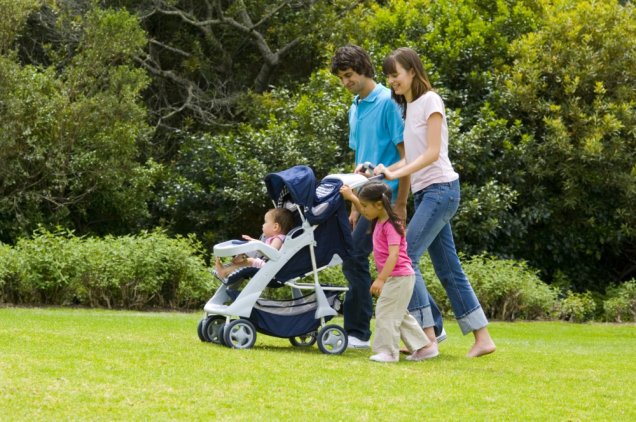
{"x": 71, "y": 129}
{"x": 506, "y": 289}
{"x": 573, "y": 87}
{"x": 620, "y": 305}
{"x": 577, "y": 307}
{"x": 134, "y": 272}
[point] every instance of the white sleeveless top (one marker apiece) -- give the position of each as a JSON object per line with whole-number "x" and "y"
{"x": 415, "y": 142}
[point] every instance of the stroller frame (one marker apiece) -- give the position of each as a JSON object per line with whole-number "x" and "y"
{"x": 233, "y": 324}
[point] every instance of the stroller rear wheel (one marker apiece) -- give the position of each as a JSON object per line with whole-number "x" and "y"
{"x": 332, "y": 340}
{"x": 239, "y": 334}
{"x": 212, "y": 329}
{"x": 306, "y": 340}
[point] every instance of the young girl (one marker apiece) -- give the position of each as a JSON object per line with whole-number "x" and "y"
{"x": 435, "y": 187}
{"x": 394, "y": 284}
{"x": 278, "y": 222}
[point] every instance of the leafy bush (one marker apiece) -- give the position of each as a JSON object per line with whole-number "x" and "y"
{"x": 72, "y": 128}
{"x": 149, "y": 269}
{"x": 506, "y": 289}
{"x": 620, "y": 305}
{"x": 573, "y": 87}
{"x": 577, "y": 307}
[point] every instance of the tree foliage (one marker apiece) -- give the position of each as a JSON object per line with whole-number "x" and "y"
{"x": 540, "y": 98}
{"x": 204, "y": 56}
{"x": 70, "y": 132}
{"x": 572, "y": 88}
{"x": 217, "y": 186}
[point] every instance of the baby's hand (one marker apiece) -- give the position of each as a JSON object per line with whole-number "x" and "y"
{"x": 246, "y": 237}
{"x": 346, "y": 192}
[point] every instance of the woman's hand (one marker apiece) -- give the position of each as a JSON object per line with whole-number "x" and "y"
{"x": 380, "y": 169}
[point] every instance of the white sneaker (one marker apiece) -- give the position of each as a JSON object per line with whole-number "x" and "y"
{"x": 356, "y": 343}
{"x": 442, "y": 336}
{"x": 384, "y": 357}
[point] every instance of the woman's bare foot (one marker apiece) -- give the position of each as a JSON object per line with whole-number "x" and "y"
{"x": 483, "y": 344}
{"x": 481, "y": 350}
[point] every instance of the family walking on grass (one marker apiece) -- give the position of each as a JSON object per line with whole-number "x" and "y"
{"x": 403, "y": 132}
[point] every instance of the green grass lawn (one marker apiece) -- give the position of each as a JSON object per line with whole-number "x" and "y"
{"x": 76, "y": 364}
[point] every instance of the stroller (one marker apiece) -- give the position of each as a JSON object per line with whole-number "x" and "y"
{"x": 321, "y": 239}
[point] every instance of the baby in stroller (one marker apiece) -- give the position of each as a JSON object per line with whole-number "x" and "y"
{"x": 277, "y": 223}
{"x": 320, "y": 238}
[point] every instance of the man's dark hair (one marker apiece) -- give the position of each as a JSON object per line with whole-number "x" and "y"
{"x": 352, "y": 57}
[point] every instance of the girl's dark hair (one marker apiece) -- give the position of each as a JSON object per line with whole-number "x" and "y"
{"x": 378, "y": 191}
{"x": 284, "y": 217}
{"x": 409, "y": 60}
{"x": 352, "y": 57}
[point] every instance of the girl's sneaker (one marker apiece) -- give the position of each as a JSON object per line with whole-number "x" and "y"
{"x": 384, "y": 357}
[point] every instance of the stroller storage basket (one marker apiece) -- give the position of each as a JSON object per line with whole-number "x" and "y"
{"x": 290, "y": 318}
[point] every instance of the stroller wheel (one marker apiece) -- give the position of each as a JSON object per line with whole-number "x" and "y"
{"x": 212, "y": 329}
{"x": 332, "y": 340}
{"x": 306, "y": 340}
{"x": 239, "y": 334}
{"x": 200, "y": 330}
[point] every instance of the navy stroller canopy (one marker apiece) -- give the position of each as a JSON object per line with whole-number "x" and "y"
{"x": 298, "y": 181}
{"x": 322, "y": 205}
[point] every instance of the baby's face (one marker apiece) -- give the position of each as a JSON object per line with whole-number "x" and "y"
{"x": 270, "y": 227}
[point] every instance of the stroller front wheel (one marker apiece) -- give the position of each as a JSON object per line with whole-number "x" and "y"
{"x": 239, "y": 334}
{"x": 211, "y": 329}
{"x": 332, "y": 340}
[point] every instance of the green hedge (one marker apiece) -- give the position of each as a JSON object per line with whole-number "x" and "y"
{"x": 507, "y": 289}
{"x": 131, "y": 272}
{"x": 153, "y": 270}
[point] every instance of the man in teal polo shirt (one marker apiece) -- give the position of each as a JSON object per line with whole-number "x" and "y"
{"x": 375, "y": 134}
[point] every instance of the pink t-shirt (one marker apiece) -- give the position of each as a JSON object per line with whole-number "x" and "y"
{"x": 416, "y": 143}
{"x": 384, "y": 235}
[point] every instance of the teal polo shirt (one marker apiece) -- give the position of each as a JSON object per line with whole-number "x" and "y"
{"x": 375, "y": 129}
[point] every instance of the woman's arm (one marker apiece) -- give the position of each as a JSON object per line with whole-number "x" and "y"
{"x": 404, "y": 186}
{"x": 434, "y": 139}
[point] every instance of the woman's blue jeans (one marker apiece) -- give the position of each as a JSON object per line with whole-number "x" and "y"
{"x": 430, "y": 229}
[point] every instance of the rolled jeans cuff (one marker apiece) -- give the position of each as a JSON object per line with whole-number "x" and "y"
{"x": 423, "y": 316}
{"x": 472, "y": 321}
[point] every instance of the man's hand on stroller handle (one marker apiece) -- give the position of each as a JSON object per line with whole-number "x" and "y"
{"x": 371, "y": 172}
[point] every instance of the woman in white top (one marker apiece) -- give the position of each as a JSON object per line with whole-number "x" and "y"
{"x": 435, "y": 187}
